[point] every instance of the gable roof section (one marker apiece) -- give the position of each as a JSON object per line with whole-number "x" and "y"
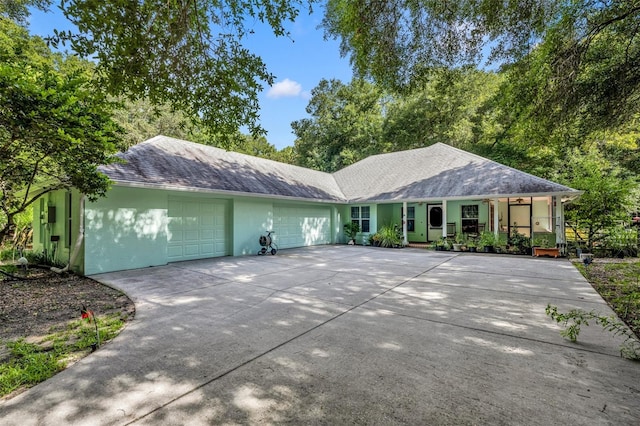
{"x": 432, "y": 173}
{"x": 169, "y": 163}
{"x": 438, "y": 171}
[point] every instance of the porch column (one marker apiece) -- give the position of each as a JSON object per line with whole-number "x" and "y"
{"x": 404, "y": 223}
{"x": 496, "y": 217}
{"x": 559, "y": 212}
{"x": 444, "y": 218}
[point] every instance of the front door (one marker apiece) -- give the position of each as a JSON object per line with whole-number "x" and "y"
{"x": 434, "y": 222}
{"x": 520, "y": 219}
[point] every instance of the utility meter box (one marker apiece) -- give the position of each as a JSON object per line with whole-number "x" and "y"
{"x": 51, "y": 214}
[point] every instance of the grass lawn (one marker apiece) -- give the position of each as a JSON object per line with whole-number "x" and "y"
{"x": 618, "y": 282}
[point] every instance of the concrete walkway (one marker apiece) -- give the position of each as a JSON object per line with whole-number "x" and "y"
{"x": 346, "y": 335}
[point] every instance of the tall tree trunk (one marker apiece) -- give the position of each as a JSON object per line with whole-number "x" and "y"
{"x": 7, "y": 229}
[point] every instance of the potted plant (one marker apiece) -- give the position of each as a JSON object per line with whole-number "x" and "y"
{"x": 458, "y": 242}
{"x": 351, "y": 229}
{"x": 442, "y": 244}
{"x": 541, "y": 242}
{"x": 520, "y": 242}
{"x": 501, "y": 244}
{"x": 487, "y": 241}
{"x": 472, "y": 246}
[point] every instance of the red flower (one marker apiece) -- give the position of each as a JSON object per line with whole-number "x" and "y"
{"x": 86, "y": 314}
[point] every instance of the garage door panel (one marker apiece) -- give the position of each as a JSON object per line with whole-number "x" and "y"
{"x": 197, "y": 228}
{"x": 208, "y": 248}
{"x": 191, "y": 249}
{"x": 301, "y": 226}
{"x": 207, "y": 234}
{"x": 174, "y": 251}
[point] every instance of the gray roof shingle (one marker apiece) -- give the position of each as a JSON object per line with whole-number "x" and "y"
{"x": 435, "y": 172}
{"x": 173, "y": 163}
{"x": 438, "y": 171}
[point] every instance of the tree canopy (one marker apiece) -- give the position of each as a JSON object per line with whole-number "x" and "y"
{"x": 586, "y": 51}
{"x": 188, "y": 55}
{"x": 345, "y": 125}
{"x": 55, "y": 128}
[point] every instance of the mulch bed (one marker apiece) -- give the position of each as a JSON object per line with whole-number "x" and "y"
{"x": 47, "y": 301}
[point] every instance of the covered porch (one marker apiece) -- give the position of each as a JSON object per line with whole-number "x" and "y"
{"x": 533, "y": 216}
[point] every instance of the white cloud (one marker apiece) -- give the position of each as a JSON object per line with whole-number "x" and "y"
{"x": 285, "y": 88}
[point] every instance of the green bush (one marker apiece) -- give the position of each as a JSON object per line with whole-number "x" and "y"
{"x": 487, "y": 239}
{"x": 389, "y": 236}
{"x": 621, "y": 241}
{"x": 351, "y": 229}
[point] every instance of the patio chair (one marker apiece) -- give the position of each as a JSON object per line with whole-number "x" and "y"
{"x": 451, "y": 229}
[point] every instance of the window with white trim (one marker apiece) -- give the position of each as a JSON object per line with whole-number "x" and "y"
{"x": 470, "y": 219}
{"x": 411, "y": 217}
{"x": 361, "y": 215}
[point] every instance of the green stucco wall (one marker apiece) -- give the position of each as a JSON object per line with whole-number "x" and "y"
{"x": 362, "y": 237}
{"x": 61, "y": 226}
{"x": 129, "y": 228}
{"x": 251, "y": 218}
{"x": 126, "y": 229}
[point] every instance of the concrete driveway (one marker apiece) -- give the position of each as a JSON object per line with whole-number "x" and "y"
{"x": 346, "y": 335}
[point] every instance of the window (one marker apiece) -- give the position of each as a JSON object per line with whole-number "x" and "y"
{"x": 361, "y": 215}
{"x": 470, "y": 219}
{"x": 411, "y": 218}
{"x": 435, "y": 217}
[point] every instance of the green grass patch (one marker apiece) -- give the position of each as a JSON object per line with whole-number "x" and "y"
{"x": 28, "y": 364}
{"x": 619, "y": 285}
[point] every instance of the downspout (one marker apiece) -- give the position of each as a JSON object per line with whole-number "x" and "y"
{"x": 76, "y": 247}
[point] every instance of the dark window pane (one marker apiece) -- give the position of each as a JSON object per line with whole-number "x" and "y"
{"x": 411, "y": 212}
{"x": 355, "y": 212}
{"x": 469, "y": 226}
{"x": 470, "y": 212}
{"x": 435, "y": 217}
{"x": 365, "y": 225}
{"x": 365, "y": 212}
{"x": 411, "y": 225}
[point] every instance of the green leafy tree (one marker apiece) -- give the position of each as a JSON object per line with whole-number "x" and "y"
{"x": 141, "y": 120}
{"x": 260, "y": 147}
{"x": 608, "y": 192}
{"x": 589, "y": 49}
{"x": 55, "y": 129}
{"x": 189, "y": 55}
{"x": 345, "y": 125}
{"x": 448, "y": 108}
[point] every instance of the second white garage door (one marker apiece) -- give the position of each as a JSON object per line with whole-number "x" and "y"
{"x": 197, "y": 229}
{"x": 301, "y": 226}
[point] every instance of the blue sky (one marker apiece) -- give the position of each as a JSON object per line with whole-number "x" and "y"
{"x": 298, "y": 62}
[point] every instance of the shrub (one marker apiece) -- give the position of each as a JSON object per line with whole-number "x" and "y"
{"x": 622, "y": 242}
{"x": 351, "y": 229}
{"x": 389, "y": 236}
{"x": 487, "y": 239}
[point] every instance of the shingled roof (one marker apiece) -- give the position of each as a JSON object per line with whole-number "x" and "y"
{"x": 169, "y": 163}
{"x": 435, "y": 172}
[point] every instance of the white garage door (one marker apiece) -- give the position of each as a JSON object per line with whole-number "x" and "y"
{"x": 301, "y": 226}
{"x": 197, "y": 229}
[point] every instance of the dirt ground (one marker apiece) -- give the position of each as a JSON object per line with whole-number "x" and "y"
{"x": 623, "y": 299}
{"x": 46, "y": 302}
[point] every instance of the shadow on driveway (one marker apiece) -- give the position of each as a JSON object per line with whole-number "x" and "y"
{"x": 343, "y": 334}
